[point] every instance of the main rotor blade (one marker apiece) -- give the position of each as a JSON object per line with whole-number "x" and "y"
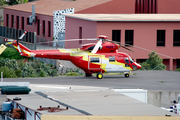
{"x": 68, "y": 40}
{"x": 147, "y": 50}
{"x": 121, "y": 45}
{"x": 126, "y": 48}
{"x": 96, "y": 47}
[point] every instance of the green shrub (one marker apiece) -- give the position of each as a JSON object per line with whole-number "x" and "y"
{"x": 11, "y": 53}
{"x": 72, "y": 74}
{"x": 8, "y": 73}
{"x": 178, "y": 69}
{"x": 18, "y": 73}
{"x": 41, "y": 74}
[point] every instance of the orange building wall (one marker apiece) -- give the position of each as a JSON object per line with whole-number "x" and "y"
{"x": 168, "y": 6}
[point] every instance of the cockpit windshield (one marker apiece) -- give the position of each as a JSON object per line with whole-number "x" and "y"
{"x": 131, "y": 60}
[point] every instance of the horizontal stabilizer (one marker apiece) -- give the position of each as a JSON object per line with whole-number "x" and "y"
{"x": 2, "y": 48}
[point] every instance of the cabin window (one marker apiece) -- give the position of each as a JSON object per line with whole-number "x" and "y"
{"x": 160, "y": 37}
{"x": 111, "y": 59}
{"x": 94, "y": 60}
{"x": 176, "y": 38}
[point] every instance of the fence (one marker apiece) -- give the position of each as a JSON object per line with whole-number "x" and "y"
{"x": 30, "y": 40}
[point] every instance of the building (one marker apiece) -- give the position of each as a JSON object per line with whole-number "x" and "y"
{"x": 17, "y": 16}
{"x": 142, "y": 21}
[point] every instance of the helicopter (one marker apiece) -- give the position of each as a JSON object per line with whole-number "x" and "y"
{"x": 101, "y": 57}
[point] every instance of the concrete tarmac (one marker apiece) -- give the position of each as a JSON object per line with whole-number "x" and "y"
{"x": 149, "y": 80}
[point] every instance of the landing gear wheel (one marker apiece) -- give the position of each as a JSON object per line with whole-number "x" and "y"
{"x": 126, "y": 75}
{"x": 88, "y": 75}
{"x": 99, "y": 76}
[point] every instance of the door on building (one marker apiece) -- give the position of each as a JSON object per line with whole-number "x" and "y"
{"x": 61, "y": 36}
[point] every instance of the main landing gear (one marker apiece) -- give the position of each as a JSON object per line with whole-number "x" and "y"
{"x": 99, "y": 76}
{"x": 88, "y": 75}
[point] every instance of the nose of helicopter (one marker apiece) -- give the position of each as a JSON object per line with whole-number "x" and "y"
{"x": 136, "y": 66}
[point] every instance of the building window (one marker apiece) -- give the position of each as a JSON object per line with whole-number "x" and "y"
{"x": 38, "y": 27}
{"x": 17, "y": 22}
{"x": 28, "y": 23}
{"x": 160, "y": 37}
{"x": 111, "y": 59}
{"x": 22, "y": 22}
{"x": 146, "y": 6}
{"x": 80, "y": 35}
{"x": 116, "y": 35}
{"x": 129, "y": 36}
{"x": 176, "y": 38}
{"x": 49, "y": 28}
{"x": 12, "y": 21}
{"x": 7, "y": 20}
{"x": 43, "y": 28}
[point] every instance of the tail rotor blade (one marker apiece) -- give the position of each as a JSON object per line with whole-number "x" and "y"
{"x": 19, "y": 49}
{"x": 8, "y": 43}
{"x": 22, "y": 35}
{"x": 8, "y": 40}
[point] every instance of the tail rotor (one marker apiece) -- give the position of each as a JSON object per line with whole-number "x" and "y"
{"x": 11, "y": 41}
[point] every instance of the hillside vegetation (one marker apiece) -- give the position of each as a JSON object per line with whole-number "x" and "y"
{"x": 12, "y": 65}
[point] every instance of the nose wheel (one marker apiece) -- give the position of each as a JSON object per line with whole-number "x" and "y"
{"x": 126, "y": 75}
{"x": 99, "y": 76}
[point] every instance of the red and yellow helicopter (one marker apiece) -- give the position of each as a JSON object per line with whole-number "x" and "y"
{"x": 101, "y": 57}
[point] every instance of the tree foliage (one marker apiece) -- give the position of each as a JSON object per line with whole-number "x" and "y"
{"x": 14, "y": 2}
{"x": 154, "y": 62}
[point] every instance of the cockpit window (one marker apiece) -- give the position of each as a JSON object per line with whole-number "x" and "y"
{"x": 131, "y": 60}
{"x": 126, "y": 60}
